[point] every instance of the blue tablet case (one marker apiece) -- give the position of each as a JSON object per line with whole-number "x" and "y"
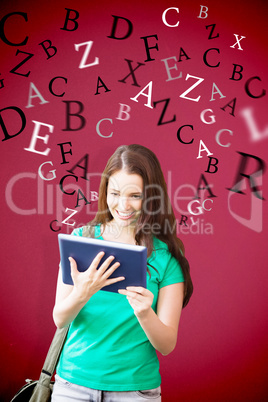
{"x": 132, "y": 258}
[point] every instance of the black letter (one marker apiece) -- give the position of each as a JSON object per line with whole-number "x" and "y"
{"x": 55, "y": 220}
{"x": 250, "y": 177}
{"x": 85, "y": 168}
{"x": 233, "y": 101}
{"x": 130, "y": 28}
{"x": 212, "y": 164}
{"x": 147, "y": 47}
{"x": 211, "y": 32}
{"x": 132, "y": 72}
{"x": 63, "y": 153}
{"x": 50, "y": 46}
{"x": 183, "y": 220}
{"x": 23, "y": 122}
{"x": 160, "y": 122}
{"x": 77, "y": 114}
{"x": 247, "y": 89}
{"x": 61, "y": 183}
{"x": 237, "y": 72}
{"x": 81, "y": 198}
{"x": 182, "y": 53}
{"x": 50, "y": 86}
{"x": 20, "y": 64}
{"x": 70, "y": 19}
{"x": 100, "y": 86}
{"x": 2, "y": 34}
{"x": 202, "y": 178}
{"x": 205, "y": 58}
{"x": 179, "y": 137}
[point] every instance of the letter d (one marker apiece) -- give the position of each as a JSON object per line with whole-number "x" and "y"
{"x": 130, "y": 28}
{"x": 2, "y": 124}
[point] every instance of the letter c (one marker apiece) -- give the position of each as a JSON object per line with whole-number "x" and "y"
{"x": 50, "y": 86}
{"x": 98, "y": 128}
{"x": 54, "y": 230}
{"x": 61, "y": 183}
{"x": 218, "y": 137}
{"x": 2, "y": 33}
{"x": 164, "y": 17}
{"x": 179, "y": 137}
{"x": 248, "y": 91}
{"x": 208, "y": 199}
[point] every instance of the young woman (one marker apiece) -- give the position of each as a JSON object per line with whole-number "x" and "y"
{"x": 110, "y": 352}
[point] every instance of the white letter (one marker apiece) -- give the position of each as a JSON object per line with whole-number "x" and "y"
{"x": 203, "y": 149}
{"x": 51, "y": 171}
{"x": 94, "y": 196}
{"x": 175, "y": 67}
{"x": 35, "y": 136}
{"x": 218, "y": 137}
{"x": 208, "y": 199}
{"x": 68, "y": 217}
{"x": 38, "y": 95}
{"x": 216, "y": 92}
{"x": 98, "y": 130}
{"x": 149, "y": 96}
{"x": 164, "y": 17}
{"x": 199, "y": 80}
{"x": 211, "y": 117}
{"x": 86, "y": 53}
{"x": 189, "y": 207}
{"x": 203, "y": 11}
{"x": 238, "y": 42}
{"x": 256, "y": 135}
{"x": 121, "y": 111}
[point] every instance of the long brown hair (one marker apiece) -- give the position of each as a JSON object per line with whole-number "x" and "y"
{"x": 156, "y": 213}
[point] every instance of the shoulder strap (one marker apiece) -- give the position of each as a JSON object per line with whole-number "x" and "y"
{"x": 53, "y": 355}
{"x": 42, "y": 390}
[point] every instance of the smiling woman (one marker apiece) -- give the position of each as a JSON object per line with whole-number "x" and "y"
{"x": 113, "y": 337}
{"x": 124, "y": 197}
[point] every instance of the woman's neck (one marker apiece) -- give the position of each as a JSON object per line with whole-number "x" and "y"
{"x": 114, "y": 232}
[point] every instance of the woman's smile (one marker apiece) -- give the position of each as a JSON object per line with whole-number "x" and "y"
{"x": 124, "y": 197}
{"x": 125, "y": 215}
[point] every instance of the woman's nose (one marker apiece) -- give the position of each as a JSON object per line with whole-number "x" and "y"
{"x": 123, "y": 203}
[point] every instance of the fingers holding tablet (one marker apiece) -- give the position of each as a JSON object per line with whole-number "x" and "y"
{"x": 95, "y": 277}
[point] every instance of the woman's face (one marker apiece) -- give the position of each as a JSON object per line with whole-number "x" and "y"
{"x": 124, "y": 197}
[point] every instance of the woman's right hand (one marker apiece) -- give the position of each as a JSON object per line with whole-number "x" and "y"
{"x": 71, "y": 299}
{"x": 87, "y": 283}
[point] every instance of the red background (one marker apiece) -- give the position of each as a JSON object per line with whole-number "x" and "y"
{"x": 222, "y": 346}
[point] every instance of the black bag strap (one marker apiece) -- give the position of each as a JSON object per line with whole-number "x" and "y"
{"x": 53, "y": 355}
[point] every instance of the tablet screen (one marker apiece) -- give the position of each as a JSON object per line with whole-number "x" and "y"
{"x": 132, "y": 258}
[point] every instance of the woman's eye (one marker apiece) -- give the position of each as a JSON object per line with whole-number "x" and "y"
{"x": 137, "y": 196}
{"x": 115, "y": 194}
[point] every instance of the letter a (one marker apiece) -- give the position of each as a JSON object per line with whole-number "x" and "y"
{"x": 202, "y": 148}
{"x": 38, "y": 95}
{"x": 148, "y": 96}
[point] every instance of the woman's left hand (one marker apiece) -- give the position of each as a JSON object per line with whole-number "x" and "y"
{"x": 139, "y": 298}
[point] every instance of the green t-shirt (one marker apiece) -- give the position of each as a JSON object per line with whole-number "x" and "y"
{"x": 106, "y": 348}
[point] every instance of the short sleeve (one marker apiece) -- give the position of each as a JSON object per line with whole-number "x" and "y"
{"x": 173, "y": 273}
{"x": 77, "y": 232}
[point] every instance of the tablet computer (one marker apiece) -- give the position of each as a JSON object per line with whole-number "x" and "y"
{"x": 132, "y": 258}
